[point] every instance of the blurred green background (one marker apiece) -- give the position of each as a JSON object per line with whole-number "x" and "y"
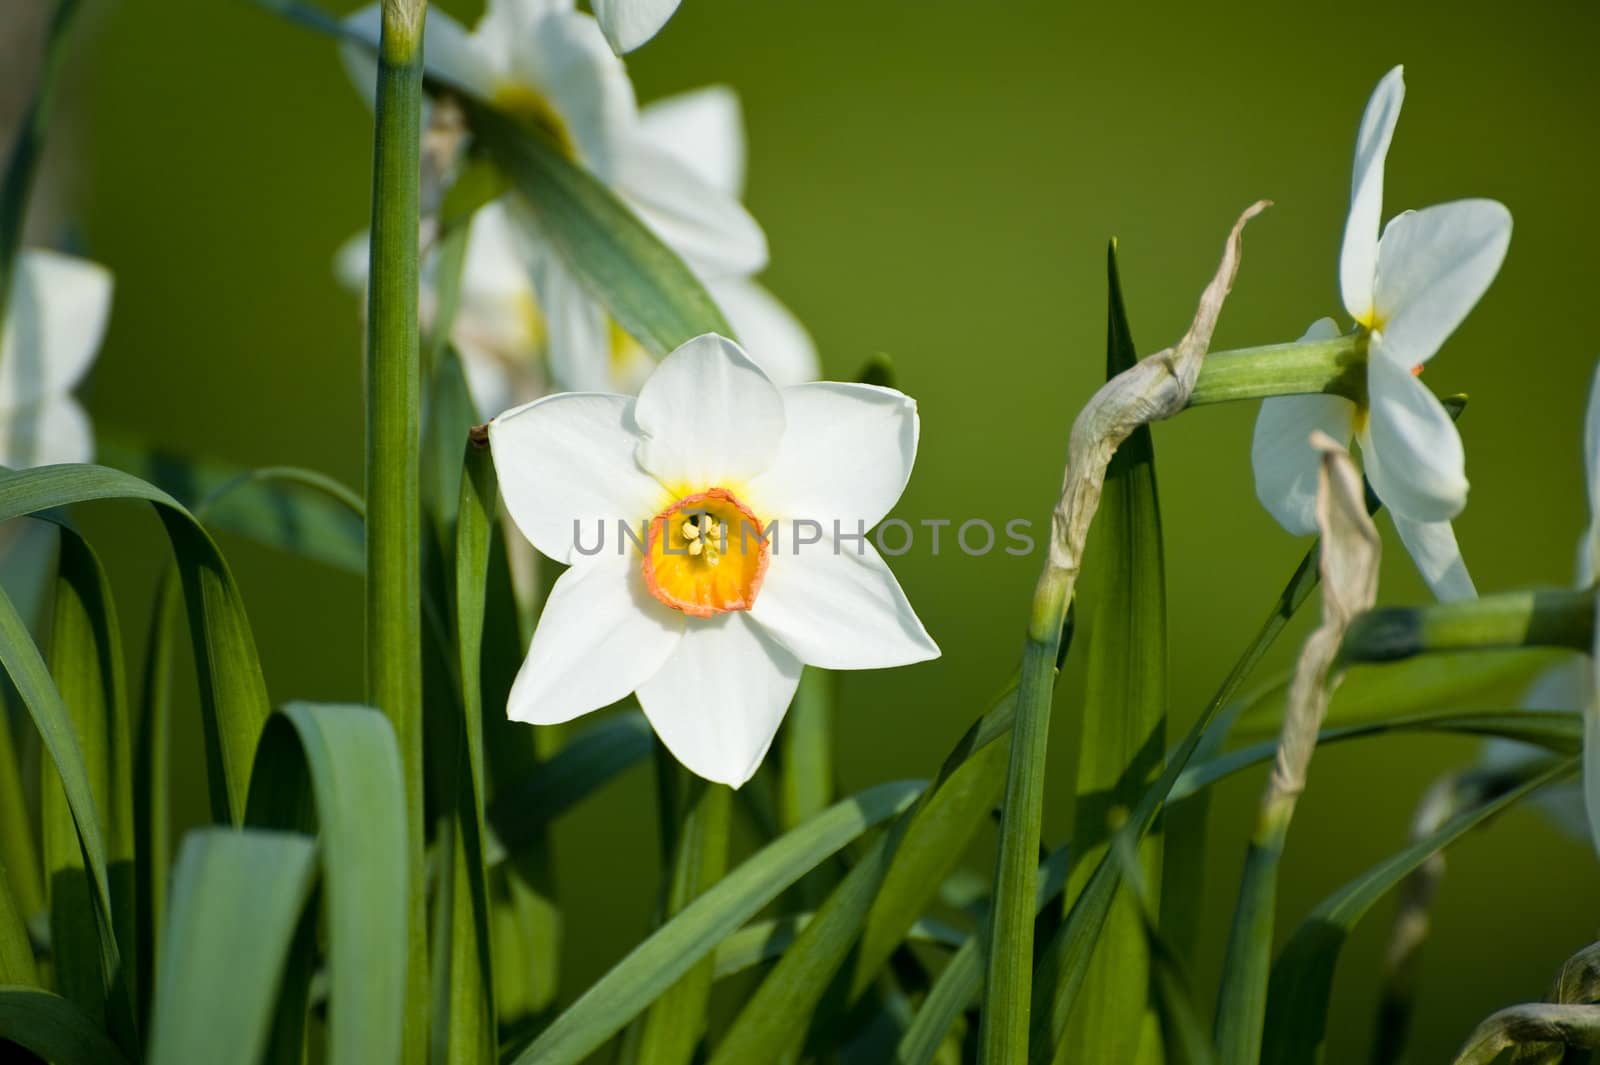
{"x": 938, "y": 179}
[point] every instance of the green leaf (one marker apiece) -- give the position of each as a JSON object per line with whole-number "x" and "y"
{"x": 1123, "y": 608}
{"x": 86, "y": 662}
{"x": 300, "y": 512}
{"x": 19, "y": 853}
{"x": 23, "y": 663}
{"x": 469, "y": 1023}
{"x": 54, "y": 1029}
{"x": 805, "y": 762}
{"x": 233, "y": 694}
{"x": 693, "y": 934}
{"x": 237, "y": 897}
{"x": 152, "y": 788}
{"x": 652, "y": 295}
{"x": 1302, "y": 977}
{"x": 1064, "y": 963}
{"x": 763, "y": 941}
{"x": 675, "y": 1022}
{"x": 344, "y": 759}
{"x": 525, "y": 806}
{"x": 16, "y": 946}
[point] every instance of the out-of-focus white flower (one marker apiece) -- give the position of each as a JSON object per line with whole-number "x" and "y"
{"x": 55, "y": 318}
{"x": 630, "y": 23}
{"x": 1407, "y": 292}
{"x": 747, "y": 506}
{"x": 678, "y": 162}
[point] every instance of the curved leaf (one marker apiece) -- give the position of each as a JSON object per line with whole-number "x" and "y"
{"x": 237, "y": 899}
{"x": 53, "y": 1028}
{"x": 346, "y": 759}
{"x": 233, "y": 693}
{"x": 674, "y": 948}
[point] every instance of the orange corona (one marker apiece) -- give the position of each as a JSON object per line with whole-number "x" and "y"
{"x": 706, "y": 554}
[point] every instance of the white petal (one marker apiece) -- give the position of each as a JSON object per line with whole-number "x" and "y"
{"x": 54, "y": 322}
{"x": 1281, "y": 454}
{"x": 565, "y": 59}
{"x": 1358, "y": 260}
{"x": 1563, "y": 686}
{"x": 579, "y": 331}
{"x": 709, "y": 416}
{"x": 352, "y": 262}
{"x": 838, "y": 606}
{"x": 1433, "y": 267}
{"x": 719, "y": 699}
{"x": 703, "y": 128}
{"x": 50, "y": 433}
{"x": 708, "y": 227}
{"x": 449, "y": 51}
{"x": 601, "y": 636}
{"x": 769, "y": 332}
{"x": 630, "y": 23}
{"x": 1432, "y": 546}
{"x": 847, "y": 453}
{"x": 1284, "y": 461}
{"x": 1410, "y": 449}
{"x": 566, "y": 463}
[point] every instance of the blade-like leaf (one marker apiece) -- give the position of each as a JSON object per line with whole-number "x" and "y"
{"x": 237, "y": 898}
{"x": 23, "y": 663}
{"x": 233, "y": 694}
{"x": 763, "y": 941}
{"x": 468, "y": 1026}
{"x": 17, "y": 966}
{"x": 642, "y": 282}
{"x": 693, "y": 934}
{"x": 344, "y": 759}
{"x": 53, "y": 1028}
{"x": 1124, "y": 611}
{"x": 86, "y": 661}
{"x": 1302, "y": 977}
{"x": 300, "y": 512}
{"x": 19, "y": 852}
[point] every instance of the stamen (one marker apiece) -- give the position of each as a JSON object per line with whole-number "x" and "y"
{"x": 691, "y": 531}
{"x": 696, "y": 546}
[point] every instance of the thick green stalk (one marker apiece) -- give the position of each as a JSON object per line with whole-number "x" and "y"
{"x": 1336, "y": 366}
{"x": 1243, "y": 1002}
{"x": 1003, "y": 1035}
{"x": 394, "y": 578}
{"x": 677, "y": 1020}
{"x": 1561, "y": 618}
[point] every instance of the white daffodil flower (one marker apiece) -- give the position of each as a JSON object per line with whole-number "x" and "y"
{"x": 1407, "y": 292}
{"x": 55, "y": 318}
{"x": 500, "y": 330}
{"x": 1571, "y": 683}
{"x": 548, "y": 64}
{"x": 745, "y": 508}
{"x": 630, "y": 23}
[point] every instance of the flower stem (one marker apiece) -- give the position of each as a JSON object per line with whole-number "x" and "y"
{"x": 1003, "y": 1035}
{"x": 394, "y": 582}
{"x": 1336, "y": 366}
{"x": 1560, "y": 618}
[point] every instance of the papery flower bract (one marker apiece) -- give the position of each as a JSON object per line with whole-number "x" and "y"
{"x": 678, "y": 162}
{"x": 1408, "y": 291}
{"x": 710, "y": 615}
{"x": 630, "y": 23}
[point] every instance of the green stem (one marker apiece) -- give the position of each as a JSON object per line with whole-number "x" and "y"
{"x": 23, "y": 162}
{"x": 1003, "y": 1035}
{"x": 394, "y": 580}
{"x": 1242, "y": 1005}
{"x": 1511, "y": 620}
{"x": 1336, "y": 367}
{"x": 677, "y": 1020}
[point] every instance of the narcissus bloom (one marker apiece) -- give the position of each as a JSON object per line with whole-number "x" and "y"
{"x": 1407, "y": 292}
{"x": 746, "y": 507}
{"x": 630, "y": 23}
{"x": 55, "y": 318}
{"x": 526, "y": 323}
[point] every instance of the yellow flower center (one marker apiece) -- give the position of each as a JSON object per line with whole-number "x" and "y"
{"x": 705, "y": 554}
{"x": 528, "y": 105}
